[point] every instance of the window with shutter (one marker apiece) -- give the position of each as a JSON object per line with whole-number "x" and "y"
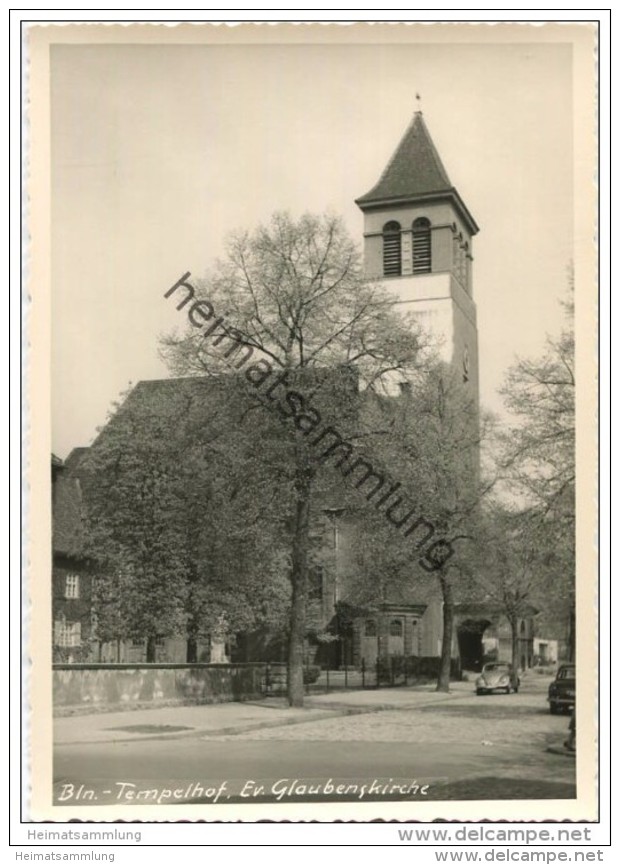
{"x": 422, "y": 245}
{"x": 392, "y": 249}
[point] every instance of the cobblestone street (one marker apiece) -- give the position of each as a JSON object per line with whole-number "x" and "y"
{"x": 461, "y": 745}
{"x": 510, "y": 734}
{"x": 496, "y": 719}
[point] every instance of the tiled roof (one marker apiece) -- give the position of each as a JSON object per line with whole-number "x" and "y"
{"x": 414, "y": 169}
{"x": 194, "y": 397}
{"x": 67, "y": 514}
{"x": 420, "y": 590}
{"x": 75, "y": 458}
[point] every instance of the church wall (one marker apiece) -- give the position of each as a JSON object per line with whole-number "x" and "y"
{"x": 465, "y": 337}
{"x": 432, "y": 627}
{"x": 373, "y": 257}
{"x": 420, "y": 289}
{"x": 437, "y": 213}
{"x": 428, "y": 298}
{"x": 441, "y": 248}
{"x": 445, "y": 226}
{"x": 431, "y": 631}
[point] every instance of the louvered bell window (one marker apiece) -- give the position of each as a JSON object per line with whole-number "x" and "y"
{"x": 391, "y": 249}
{"x": 421, "y": 245}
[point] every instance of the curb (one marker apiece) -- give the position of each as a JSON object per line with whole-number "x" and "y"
{"x": 389, "y": 707}
{"x": 562, "y": 752}
{"x": 207, "y": 733}
{"x": 333, "y": 710}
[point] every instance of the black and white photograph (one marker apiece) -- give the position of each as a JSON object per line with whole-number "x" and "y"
{"x": 314, "y": 320}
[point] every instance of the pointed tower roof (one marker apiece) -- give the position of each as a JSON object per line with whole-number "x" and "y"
{"x": 415, "y": 172}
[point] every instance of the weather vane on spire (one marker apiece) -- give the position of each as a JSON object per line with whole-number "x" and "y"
{"x": 418, "y": 103}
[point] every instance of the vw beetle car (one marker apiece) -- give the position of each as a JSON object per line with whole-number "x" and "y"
{"x": 497, "y": 677}
{"x": 562, "y": 690}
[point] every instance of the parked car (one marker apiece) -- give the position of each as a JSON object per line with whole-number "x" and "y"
{"x": 497, "y": 677}
{"x": 562, "y": 690}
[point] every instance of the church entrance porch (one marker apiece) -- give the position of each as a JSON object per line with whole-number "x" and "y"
{"x": 469, "y": 634}
{"x": 484, "y": 634}
{"x": 389, "y": 632}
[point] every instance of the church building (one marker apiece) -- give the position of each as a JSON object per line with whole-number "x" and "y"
{"x": 418, "y": 240}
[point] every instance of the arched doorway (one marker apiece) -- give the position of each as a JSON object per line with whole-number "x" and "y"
{"x": 469, "y": 636}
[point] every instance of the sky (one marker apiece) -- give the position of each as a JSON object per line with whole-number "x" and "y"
{"x": 159, "y": 151}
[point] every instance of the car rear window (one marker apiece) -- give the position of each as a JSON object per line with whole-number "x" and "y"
{"x": 566, "y": 673}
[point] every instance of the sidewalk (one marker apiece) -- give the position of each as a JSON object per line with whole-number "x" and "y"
{"x": 217, "y": 719}
{"x": 372, "y": 700}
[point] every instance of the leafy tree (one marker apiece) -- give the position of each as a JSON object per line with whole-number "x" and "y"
{"x": 539, "y": 448}
{"x": 510, "y": 568}
{"x": 423, "y": 538}
{"x": 298, "y": 315}
{"x": 234, "y": 550}
{"x": 134, "y": 526}
{"x": 157, "y": 506}
{"x": 451, "y": 431}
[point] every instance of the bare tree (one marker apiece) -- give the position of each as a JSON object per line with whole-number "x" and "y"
{"x": 538, "y": 454}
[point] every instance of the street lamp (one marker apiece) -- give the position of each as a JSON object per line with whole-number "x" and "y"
{"x": 333, "y": 514}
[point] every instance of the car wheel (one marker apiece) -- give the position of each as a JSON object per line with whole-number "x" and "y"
{"x": 479, "y": 692}
{"x": 553, "y": 708}
{"x": 508, "y": 689}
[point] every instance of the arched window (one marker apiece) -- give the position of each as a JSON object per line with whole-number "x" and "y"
{"x": 370, "y": 628}
{"x": 396, "y": 628}
{"x": 391, "y": 249}
{"x": 421, "y": 245}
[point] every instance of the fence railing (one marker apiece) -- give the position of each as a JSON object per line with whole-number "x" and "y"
{"x": 391, "y": 672}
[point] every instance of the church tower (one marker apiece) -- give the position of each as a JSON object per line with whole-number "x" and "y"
{"x": 418, "y": 241}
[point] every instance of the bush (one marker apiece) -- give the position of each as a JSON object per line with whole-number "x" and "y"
{"x": 389, "y": 668}
{"x": 71, "y": 654}
{"x": 311, "y": 674}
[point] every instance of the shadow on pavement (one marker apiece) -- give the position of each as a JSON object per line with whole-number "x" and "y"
{"x": 504, "y": 788}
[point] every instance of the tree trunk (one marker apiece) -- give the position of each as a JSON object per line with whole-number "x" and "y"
{"x": 150, "y": 650}
{"x": 443, "y": 681}
{"x": 191, "y": 651}
{"x": 299, "y": 579}
{"x": 193, "y": 618}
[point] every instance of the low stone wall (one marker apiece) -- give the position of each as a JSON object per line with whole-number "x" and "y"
{"x": 113, "y": 687}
